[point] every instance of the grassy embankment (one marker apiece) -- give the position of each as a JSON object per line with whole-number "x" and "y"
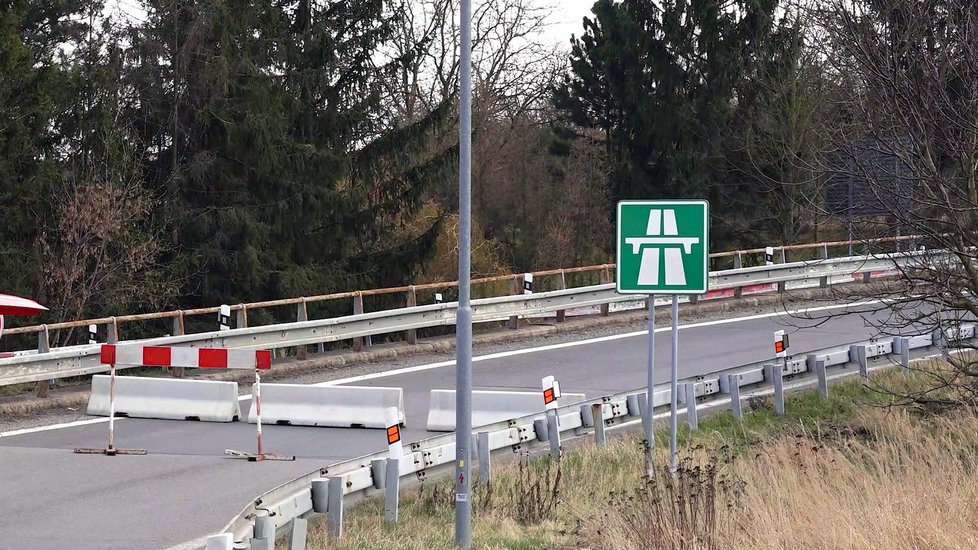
{"x": 846, "y": 472}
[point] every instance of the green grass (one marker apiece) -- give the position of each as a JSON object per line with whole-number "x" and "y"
{"x": 592, "y": 478}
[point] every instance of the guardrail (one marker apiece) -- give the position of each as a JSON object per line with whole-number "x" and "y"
{"x": 84, "y": 360}
{"x": 278, "y": 508}
{"x": 410, "y": 292}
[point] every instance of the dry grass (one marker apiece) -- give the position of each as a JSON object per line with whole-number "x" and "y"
{"x": 837, "y": 474}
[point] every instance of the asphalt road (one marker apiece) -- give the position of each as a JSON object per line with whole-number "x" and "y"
{"x": 185, "y": 489}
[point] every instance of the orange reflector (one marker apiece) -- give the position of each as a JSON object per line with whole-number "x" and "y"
{"x": 393, "y": 435}
{"x": 779, "y": 346}
{"x": 548, "y": 396}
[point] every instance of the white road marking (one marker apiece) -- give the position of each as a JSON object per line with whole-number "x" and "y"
{"x": 491, "y": 356}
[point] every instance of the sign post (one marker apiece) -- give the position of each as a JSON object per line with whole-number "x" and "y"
{"x": 663, "y": 248}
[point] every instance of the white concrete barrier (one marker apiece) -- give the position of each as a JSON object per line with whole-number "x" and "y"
{"x": 489, "y": 407}
{"x": 166, "y": 398}
{"x": 333, "y": 406}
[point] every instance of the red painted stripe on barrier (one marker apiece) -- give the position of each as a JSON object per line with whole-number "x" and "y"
{"x": 212, "y": 358}
{"x": 108, "y": 354}
{"x": 155, "y": 356}
{"x": 263, "y": 359}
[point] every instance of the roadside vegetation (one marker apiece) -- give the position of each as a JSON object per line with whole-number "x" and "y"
{"x": 857, "y": 470}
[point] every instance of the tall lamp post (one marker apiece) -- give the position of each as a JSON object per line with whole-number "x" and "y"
{"x": 463, "y": 335}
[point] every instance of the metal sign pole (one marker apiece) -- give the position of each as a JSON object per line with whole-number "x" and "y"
{"x": 674, "y": 387}
{"x": 649, "y": 403}
{"x": 463, "y": 337}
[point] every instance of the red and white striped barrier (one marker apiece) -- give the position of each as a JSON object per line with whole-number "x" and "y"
{"x": 197, "y": 358}
{"x": 193, "y": 358}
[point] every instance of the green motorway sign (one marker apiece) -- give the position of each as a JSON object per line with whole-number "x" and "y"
{"x": 663, "y": 247}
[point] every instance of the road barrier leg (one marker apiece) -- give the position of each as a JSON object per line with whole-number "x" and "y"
{"x": 334, "y": 512}
{"x": 553, "y": 433}
{"x": 485, "y": 458}
{"x": 221, "y": 541}
{"x": 733, "y": 382}
{"x": 392, "y": 489}
{"x": 599, "y": 435}
{"x": 691, "y": 417}
{"x": 111, "y": 450}
{"x": 299, "y": 529}
{"x": 905, "y": 355}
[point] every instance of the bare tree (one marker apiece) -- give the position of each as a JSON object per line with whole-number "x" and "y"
{"x": 906, "y": 137}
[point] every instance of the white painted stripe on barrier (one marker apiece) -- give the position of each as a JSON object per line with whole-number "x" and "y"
{"x": 488, "y": 407}
{"x": 334, "y": 406}
{"x": 166, "y": 398}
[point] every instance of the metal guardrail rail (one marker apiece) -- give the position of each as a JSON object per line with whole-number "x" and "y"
{"x": 410, "y": 292}
{"x": 293, "y": 500}
{"x": 84, "y": 360}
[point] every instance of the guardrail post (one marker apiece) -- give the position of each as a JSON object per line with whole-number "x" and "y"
{"x": 221, "y": 541}
{"x": 553, "y": 433}
{"x": 867, "y": 276}
{"x": 299, "y": 529}
{"x": 738, "y": 264}
{"x": 357, "y": 310}
{"x": 857, "y": 355}
{"x": 823, "y": 254}
{"x": 241, "y": 319}
{"x": 301, "y": 314}
{"x": 411, "y": 335}
{"x": 733, "y": 384}
{"x": 334, "y": 511}
{"x": 823, "y": 379}
{"x": 598, "y": 416}
{"x": 642, "y": 405}
{"x": 605, "y": 278}
{"x": 43, "y": 346}
{"x": 485, "y": 458}
{"x": 691, "y": 417}
{"x": 391, "y": 491}
{"x": 561, "y": 285}
{"x": 264, "y": 534}
{"x": 178, "y": 330}
{"x": 783, "y": 285}
{"x": 112, "y": 332}
{"x": 774, "y": 374}
{"x": 905, "y": 355}
{"x": 515, "y": 288}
